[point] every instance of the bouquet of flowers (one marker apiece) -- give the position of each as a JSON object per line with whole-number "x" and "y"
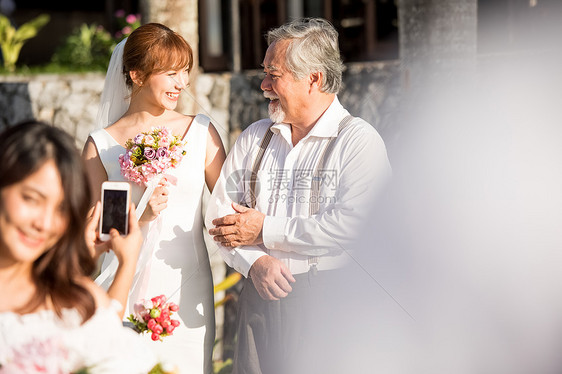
{"x": 154, "y": 316}
{"x": 149, "y": 154}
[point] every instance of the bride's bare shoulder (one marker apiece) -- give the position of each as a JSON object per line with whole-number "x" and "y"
{"x": 122, "y": 130}
{"x": 180, "y": 117}
{"x": 118, "y": 125}
{"x": 180, "y": 122}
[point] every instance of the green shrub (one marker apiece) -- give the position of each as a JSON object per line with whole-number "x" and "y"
{"x": 88, "y": 48}
{"x": 12, "y": 39}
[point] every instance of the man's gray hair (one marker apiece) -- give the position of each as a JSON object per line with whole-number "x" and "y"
{"x": 313, "y": 48}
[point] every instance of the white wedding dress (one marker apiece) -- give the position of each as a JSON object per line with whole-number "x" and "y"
{"x": 42, "y": 342}
{"x": 174, "y": 260}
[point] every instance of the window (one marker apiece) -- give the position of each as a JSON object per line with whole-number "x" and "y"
{"x": 518, "y": 25}
{"x": 236, "y": 40}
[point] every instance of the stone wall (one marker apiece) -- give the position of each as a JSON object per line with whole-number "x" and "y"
{"x": 371, "y": 91}
{"x": 69, "y": 101}
{"x": 233, "y": 101}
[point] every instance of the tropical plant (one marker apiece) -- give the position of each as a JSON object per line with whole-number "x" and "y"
{"x": 12, "y": 39}
{"x": 89, "y": 47}
{"x": 227, "y": 283}
{"x": 220, "y": 366}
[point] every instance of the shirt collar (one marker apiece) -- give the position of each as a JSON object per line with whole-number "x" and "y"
{"x": 326, "y": 126}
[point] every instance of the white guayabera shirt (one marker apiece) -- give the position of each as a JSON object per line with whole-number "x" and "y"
{"x": 355, "y": 171}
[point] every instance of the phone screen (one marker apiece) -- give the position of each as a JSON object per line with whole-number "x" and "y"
{"x": 114, "y": 211}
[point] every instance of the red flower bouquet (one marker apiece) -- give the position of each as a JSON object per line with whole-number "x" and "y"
{"x": 154, "y": 316}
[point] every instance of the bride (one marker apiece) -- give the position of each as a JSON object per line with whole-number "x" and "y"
{"x": 147, "y": 72}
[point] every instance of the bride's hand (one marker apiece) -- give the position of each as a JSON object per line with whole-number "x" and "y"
{"x": 157, "y": 203}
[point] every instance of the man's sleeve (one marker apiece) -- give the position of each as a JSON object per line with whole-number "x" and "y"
{"x": 365, "y": 170}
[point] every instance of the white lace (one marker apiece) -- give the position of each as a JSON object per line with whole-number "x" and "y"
{"x": 65, "y": 345}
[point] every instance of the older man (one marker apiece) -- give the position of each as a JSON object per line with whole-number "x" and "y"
{"x": 292, "y": 194}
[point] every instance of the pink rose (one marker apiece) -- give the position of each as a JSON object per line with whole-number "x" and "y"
{"x": 148, "y": 140}
{"x": 151, "y": 324}
{"x": 138, "y": 139}
{"x": 177, "y": 153}
{"x": 148, "y": 170}
{"x": 131, "y": 18}
{"x": 149, "y": 153}
{"x": 162, "y": 152}
{"x": 174, "y": 307}
{"x": 158, "y": 329}
{"x": 160, "y": 165}
{"x": 155, "y": 336}
{"x": 164, "y": 316}
{"x": 163, "y": 132}
{"x": 165, "y": 141}
{"x": 139, "y": 312}
{"x": 158, "y": 300}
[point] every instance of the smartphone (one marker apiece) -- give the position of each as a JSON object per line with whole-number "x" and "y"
{"x": 114, "y": 208}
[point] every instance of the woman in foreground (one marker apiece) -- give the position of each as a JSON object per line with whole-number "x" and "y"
{"x": 52, "y": 316}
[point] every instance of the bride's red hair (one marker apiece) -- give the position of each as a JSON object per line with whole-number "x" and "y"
{"x": 155, "y": 48}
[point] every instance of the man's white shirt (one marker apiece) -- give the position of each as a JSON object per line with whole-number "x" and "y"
{"x": 353, "y": 174}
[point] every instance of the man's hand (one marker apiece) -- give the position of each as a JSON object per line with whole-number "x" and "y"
{"x": 241, "y": 228}
{"x": 271, "y": 278}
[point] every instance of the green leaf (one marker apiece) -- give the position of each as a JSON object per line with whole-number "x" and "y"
{"x": 4, "y": 27}
{"x": 12, "y": 40}
{"x": 30, "y": 29}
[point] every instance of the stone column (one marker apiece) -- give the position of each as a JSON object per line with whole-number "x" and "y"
{"x": 437, "y": 39}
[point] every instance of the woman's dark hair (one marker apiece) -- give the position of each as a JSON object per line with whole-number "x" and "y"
{"x": 24, "y": 148}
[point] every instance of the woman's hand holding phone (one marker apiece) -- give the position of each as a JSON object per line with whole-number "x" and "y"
{"x": 127, "y": 248}
{"x": 93, "y": 242}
